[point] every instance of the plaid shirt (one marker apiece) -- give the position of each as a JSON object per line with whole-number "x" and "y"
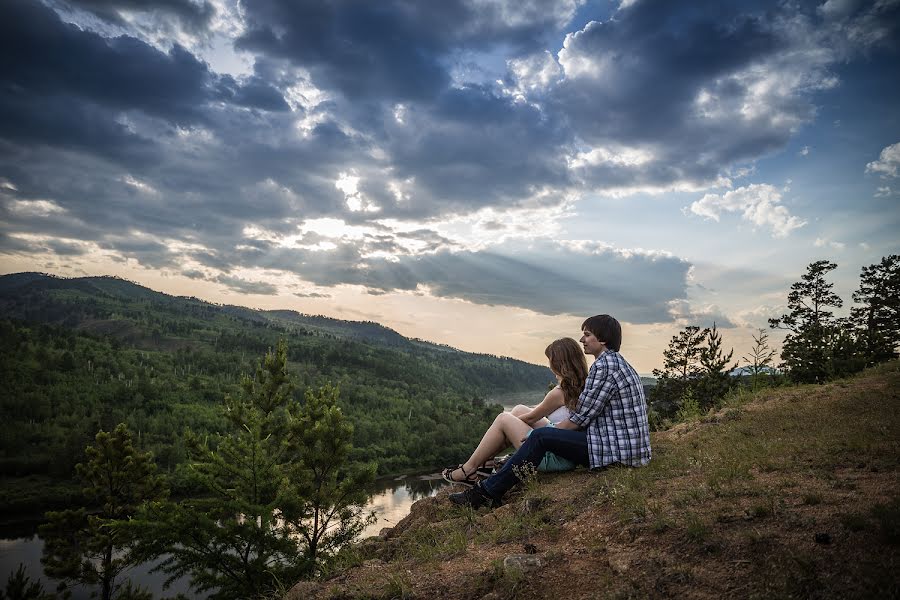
{"x": 613, "y": 409}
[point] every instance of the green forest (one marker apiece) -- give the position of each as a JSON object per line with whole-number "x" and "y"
{"x": 82, "y": 355}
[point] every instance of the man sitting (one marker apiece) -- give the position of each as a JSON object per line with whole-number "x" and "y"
{"x": 608, "y": 427}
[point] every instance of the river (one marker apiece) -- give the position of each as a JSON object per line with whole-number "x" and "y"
{"x": 390, "y": 501}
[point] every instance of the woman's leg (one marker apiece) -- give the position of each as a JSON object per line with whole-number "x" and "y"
{"x": 506, "y": 430}
{"x": 521, "y": 409}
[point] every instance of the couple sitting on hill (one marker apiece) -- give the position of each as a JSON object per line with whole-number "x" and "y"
{"x": 595, "y": 418}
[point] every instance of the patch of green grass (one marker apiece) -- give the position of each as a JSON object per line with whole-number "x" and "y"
{"x": 439, "y": 541}
{"x": 695, "y": 528}
{"x": 398, "y": 586}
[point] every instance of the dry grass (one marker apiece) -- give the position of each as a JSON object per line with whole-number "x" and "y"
{"x": 788, "y": 493}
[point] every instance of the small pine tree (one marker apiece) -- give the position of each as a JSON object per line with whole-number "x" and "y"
{"x": 85, "y": 547}
{"x": 716, "y": 377}
{"x": 759, "y": 360}
{"x": 20, "y": 587}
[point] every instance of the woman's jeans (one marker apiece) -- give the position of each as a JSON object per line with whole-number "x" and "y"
{"x": 565, "y": 443}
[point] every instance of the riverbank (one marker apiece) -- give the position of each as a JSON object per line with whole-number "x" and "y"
{"x": 789, "y": 492}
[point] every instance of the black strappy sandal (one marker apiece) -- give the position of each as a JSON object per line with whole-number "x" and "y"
{"x": 470, "y": 478}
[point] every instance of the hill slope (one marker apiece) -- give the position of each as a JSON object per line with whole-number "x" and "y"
{"x": 791, "y": 493}
{"x": 79, "y": 355}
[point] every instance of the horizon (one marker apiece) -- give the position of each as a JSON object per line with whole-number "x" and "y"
{"x": 482, "y": 174}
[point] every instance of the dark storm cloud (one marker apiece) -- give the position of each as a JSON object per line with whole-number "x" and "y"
{"x": 67, "y": 87}
{"x": 392, "y": 49}
{"x": 194, "y": 15}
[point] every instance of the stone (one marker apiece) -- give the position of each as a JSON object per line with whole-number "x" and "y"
{"x": 532, "y": 505}
{"x": 304, "y": 590}
{"x": 619, "y": 563}
{"x": 385, "y": 532}
{"x": 522, "y": 563}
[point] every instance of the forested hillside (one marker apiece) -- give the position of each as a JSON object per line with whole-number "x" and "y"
{"x": 80, "y": 355}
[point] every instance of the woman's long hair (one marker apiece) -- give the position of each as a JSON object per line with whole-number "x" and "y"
{"x": 568, "y": 361}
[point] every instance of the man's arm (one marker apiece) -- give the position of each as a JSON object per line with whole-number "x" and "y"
{"x": 593, "y": 399}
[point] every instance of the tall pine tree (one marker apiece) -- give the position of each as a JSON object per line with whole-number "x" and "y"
{"x": 808, "y": 349}
{"x": 877, "y": 319}
{"x": 279, "y": 492}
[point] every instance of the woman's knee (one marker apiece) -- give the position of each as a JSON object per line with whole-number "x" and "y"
{"x": 520, "y": 409}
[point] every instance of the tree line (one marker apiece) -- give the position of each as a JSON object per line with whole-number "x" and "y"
{"x": 697, "y": 372}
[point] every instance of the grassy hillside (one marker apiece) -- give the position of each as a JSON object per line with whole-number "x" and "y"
{"x": 789, "y": 493}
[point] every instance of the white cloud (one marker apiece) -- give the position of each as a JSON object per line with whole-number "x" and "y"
{"x": 759, "y": 204}
{"x": 822, "y": 243}
{"x": 356, "y": 202}
{"x": 35, "y": 208}
{"x": 534, "y": 73}
{"x": 888, "y": 162}
{"x": 804, "y": 151}
{"x": 884, "y": 191}
{"x": 139, "y": 185}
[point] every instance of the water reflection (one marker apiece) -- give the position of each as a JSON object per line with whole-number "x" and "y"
{"x": 392, "y": 498}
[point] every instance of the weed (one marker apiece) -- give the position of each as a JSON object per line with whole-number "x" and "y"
{"x": 443, "y": 541}
{"x": 398, "y": 586}
{"x": 854, "y": 521}
{"x": 695, "y": 529}
{"x": 812, "y": 499}
{"x": 661, "y": 524}
{"x": 760, "y": 511}
{"x": 888, "y": 518}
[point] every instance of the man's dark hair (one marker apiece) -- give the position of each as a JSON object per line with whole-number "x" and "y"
{"x": 606, "y": 329}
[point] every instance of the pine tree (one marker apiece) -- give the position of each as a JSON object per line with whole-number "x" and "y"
{"x": 278, "y": 492}
{"x": 878, "y": 319}
{"x": 20, "y": 587}
{"x": 759, "y": 360}
{"x": 681, "y": 360}
{"x": 808, "y": 351}
{"x": 716, "y": 378}
{"x": 681, "y": 369}
{"x": 86, "y": 547}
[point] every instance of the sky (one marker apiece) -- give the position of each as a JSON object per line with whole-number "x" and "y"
{"x": 478, "y": 173}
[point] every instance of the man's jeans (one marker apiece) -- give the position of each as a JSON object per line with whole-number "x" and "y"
{"x": 565, "y": 443}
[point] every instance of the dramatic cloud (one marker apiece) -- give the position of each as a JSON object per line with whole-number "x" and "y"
{"x": 759, "y": 204}
{"x": 405, "y": 146}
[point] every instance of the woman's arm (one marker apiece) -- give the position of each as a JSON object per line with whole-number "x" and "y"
{"x": 553, "y": 400}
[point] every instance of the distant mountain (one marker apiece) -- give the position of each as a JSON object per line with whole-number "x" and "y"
{"x": 82, "y": 354}
{"x": 33, "y": 296}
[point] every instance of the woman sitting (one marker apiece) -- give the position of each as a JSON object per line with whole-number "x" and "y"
{"x": 511, "y": 428}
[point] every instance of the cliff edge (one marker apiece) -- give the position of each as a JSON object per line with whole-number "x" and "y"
{"x": 786, "y": 492}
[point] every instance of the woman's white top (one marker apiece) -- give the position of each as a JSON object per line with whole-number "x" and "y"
{"x": 560, "y": 414}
